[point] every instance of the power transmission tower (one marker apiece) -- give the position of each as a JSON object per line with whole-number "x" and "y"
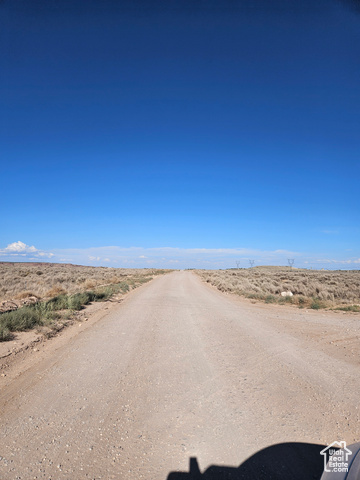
{"x": 291, "y": 262}
{"x": 251, "y": 263}
{"x": 238, "y": 264}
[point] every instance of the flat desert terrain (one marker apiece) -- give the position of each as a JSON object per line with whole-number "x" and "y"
{"x": 179, "y": 371}
{"x": 20, "y": 280}
{"x": 317, "y": 289}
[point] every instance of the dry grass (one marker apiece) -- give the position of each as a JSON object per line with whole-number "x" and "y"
{"x": 310, "y": 288}
{"x": 46, "y": 280}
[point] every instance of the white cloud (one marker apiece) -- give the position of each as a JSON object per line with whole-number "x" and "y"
{"x": 19, "y": 247}
{"x": 45, "y": 254}
{"x": 349, "y": 261}
{"x": 25, "y": 252}
{"x": 331, "y": 263}
{"x": 170, "y": 257}
{"x": 163, "y": 257}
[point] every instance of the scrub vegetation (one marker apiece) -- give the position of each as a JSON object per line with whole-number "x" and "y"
{"x": 43, "y": 294}
{"x": 338, "y": 289}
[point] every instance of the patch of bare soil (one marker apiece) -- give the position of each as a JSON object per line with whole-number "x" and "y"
{"x": 29, "y": 347}
{"x": 332, "y": 331}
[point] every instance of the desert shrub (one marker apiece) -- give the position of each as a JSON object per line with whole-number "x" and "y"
{"x": 52, "y": 316}
{"x": 19, "y": 280}
{"x": 325, "y": 295}
{"x": 23, "y": 295}
{"x": 106, "y": 293}
{"x": 349, "y": 308}
{"x": 89, "y": 283}
{"x": 5, "y": 334}
{"x": 301, "y": 300}
{"x": 142, "y": 280}
{"x": 329, "y": 288}
{"x": 316, "y": 304}
{"x": 270, "y": 299}
{"x": 255, "y": 296}
{"x": 284, "y": 300}
{"x": 77, "y": 301}
{"x": 124, "y": 287}
{"x": 19, "y": 320}
{"x": 55, "y": 291}
{"x": 57, "y": 303}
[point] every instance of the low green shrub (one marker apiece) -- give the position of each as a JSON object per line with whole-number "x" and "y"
{"x": 270, "y": 299}
{"x": 76, "y": 302}
{"x": 72, "y": 302}
{"x": 50, "y": 317}
{"x": 45, "y": 313}
{"x": 316, "y": 304}
{"x": 101, "y": 296}
{"x": 5, "y": 334}
{"x": 19, "y": 320}
{"x": 283, "y": 300}
{"x": 124, "y": 287}
{"x": 255, "y": 296}
{"x": 57, "y": 303}
{"x": 349, "y": 308}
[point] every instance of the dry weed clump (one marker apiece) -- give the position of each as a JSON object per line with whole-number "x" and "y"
{"x": 91, "y": 283}
{"x": 25, "y": 295}
{"x": 312, "y": 288}
{"x": 55, "y": 291}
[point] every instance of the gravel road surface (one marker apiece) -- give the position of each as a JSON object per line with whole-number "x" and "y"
{"x": 180, "y": 370}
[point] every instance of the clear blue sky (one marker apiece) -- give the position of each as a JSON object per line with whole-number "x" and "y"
{"x": 220, "y": 126}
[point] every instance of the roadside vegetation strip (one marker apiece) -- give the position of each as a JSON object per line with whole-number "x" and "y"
{"x": 49, "y": 312}
{"x": 19, "y": 281}
{"x": 315, "y": 289}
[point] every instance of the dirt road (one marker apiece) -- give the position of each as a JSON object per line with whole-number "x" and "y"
{"x": 180, "y": 370}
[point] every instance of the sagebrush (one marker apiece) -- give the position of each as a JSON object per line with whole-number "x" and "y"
{"x": 55, "y": 288}
{"x": 313, "y": 288}
{"x": 46, "y": 280}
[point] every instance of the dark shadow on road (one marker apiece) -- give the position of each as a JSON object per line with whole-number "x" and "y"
{"x": 284, "y": 461}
